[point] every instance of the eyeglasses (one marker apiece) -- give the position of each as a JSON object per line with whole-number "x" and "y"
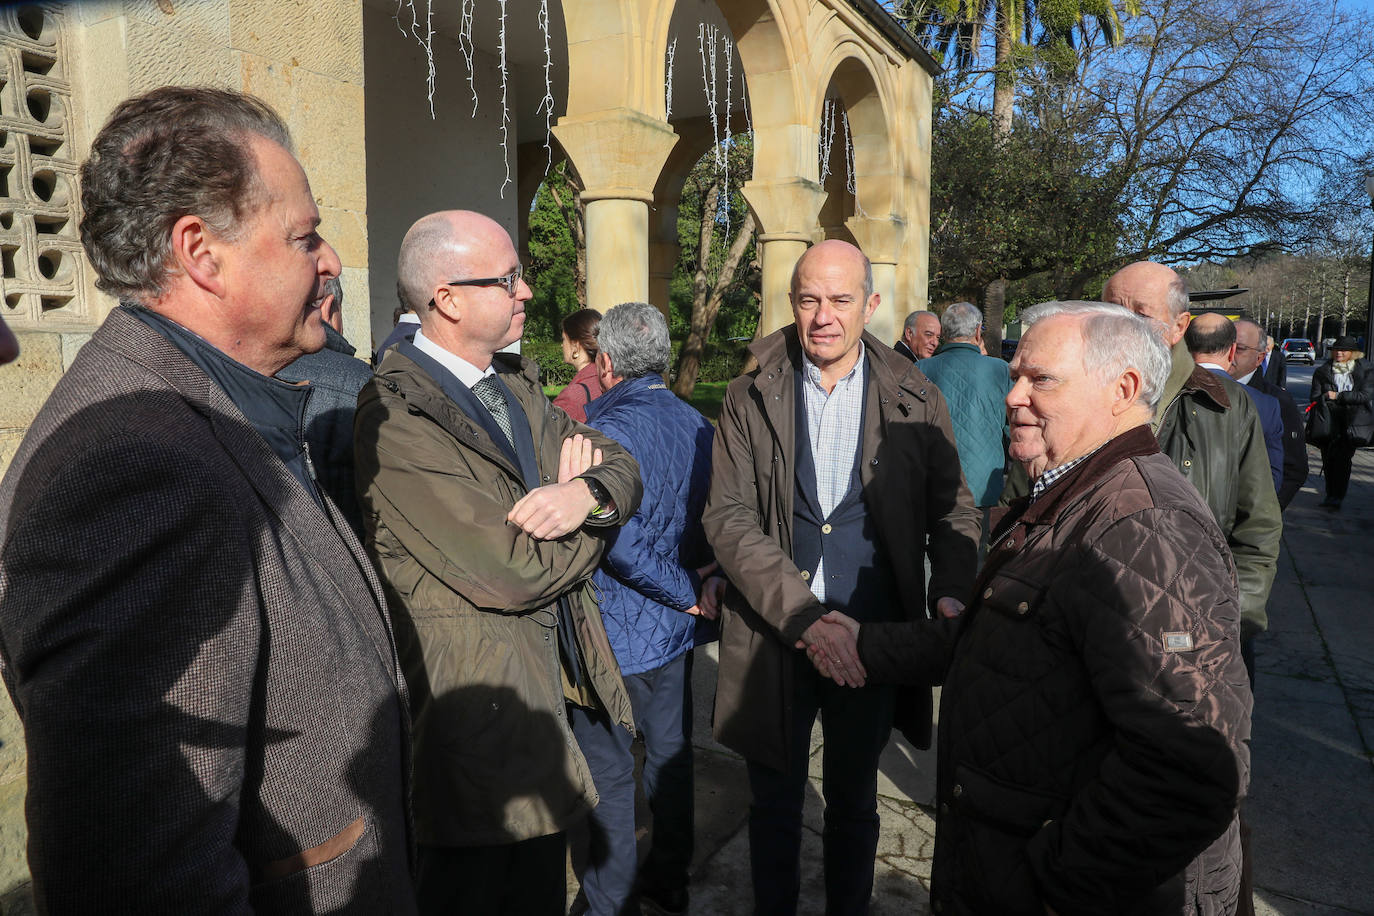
{"x": 509, "y": 282}
{"x": 1240, "y": 347}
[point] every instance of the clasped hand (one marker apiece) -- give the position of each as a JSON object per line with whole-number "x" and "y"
{"x": 832, "y": 644}
{"x": 557, "y": 509}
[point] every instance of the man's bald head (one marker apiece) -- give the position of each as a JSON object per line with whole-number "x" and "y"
{"x": 441, "y": 247}
{"x": 1211, "y": 338}
{"x": 831, "y": 250}
{"x": 1153, "y": 291}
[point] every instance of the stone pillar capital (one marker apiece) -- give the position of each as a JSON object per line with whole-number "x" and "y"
{"x": 618, "y": 154}
{"x": 879, "y": 238}
{"x": 786, "y": 209}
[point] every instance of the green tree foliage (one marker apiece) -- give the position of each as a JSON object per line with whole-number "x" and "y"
{"x": 557, "y": 256}
{"x": 715, "y": 290}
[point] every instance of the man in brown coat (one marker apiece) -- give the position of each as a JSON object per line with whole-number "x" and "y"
{"x": 487, "y": 509}
{"x": 1095, "y": 710}
{"x": 196, "y": 642}
{"x": 834, "y": 468}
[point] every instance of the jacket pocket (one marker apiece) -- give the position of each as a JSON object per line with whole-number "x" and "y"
{"x": 323, "y": 853}
{"x": 1013, "y": 809}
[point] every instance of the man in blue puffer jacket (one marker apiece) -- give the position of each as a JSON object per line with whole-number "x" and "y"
{"x": 649, "y": 580}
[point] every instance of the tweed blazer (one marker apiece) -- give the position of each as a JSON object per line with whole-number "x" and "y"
{"x": 200, "y": 654}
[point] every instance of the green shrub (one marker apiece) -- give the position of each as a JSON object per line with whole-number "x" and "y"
{"x": 549, "y": 355}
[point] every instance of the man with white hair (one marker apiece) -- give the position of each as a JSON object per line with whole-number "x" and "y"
{"x": 1093, "y": 725}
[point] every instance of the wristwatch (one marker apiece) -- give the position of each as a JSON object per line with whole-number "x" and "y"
{"x": 605, "y": 506}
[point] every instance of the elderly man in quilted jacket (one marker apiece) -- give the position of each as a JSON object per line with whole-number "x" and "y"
{"x": 649, "y": 581}
{"x": 1094, "y": 720}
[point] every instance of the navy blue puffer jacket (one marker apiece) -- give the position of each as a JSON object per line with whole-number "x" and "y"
{"x": 647, "y": 578}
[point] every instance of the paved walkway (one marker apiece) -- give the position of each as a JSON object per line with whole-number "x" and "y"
{"x": 1312, "y": 791}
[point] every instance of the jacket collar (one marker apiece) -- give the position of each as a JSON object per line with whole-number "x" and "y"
{"x": 317, "y": 527}
{"x": 626, "y": 388}
{"x": 335, "y": 341}
{"x": 954, "y": 345}
{"x": 400, "y": 374}
{"x": 1133, "y": 443}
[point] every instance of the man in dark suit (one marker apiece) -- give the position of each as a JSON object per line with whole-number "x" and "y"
{"x": 195, "y": 641}
{"x": 1274, "y": 366}
{"x": 920, "y": 335}
{"x": 336, "y": 375}
{"x": 1250, "y": 344}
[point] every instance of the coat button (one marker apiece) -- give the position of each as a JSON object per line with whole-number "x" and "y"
{"x": 826, "y": 529}
{"x": 806, "y": 576}
{"x": 874, "y": 462}
{"x": 1187, "y": 462}
{"x": 1022, "y": 608}
{"x": 987, "y": 592}
{"x": 957, "y": 791}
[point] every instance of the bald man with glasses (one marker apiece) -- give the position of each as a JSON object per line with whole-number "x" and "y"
{"x": 487, "y": 510}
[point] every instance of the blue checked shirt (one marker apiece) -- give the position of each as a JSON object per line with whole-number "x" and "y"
{"x": 832, "y": 425}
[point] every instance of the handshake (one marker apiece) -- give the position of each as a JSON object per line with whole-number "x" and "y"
{"x": 832, "y": 644}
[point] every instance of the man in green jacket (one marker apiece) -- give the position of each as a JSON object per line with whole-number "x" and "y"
{"x": 1210, "y": 429}
{"x": 486, "y": 511}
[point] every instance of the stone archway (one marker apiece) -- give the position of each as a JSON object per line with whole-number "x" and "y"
{"x": 867, "y": 214}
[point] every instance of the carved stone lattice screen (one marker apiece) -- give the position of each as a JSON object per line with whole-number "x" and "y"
{"x": 42, "y": 277}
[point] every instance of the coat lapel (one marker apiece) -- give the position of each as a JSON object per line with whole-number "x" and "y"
{"x": 317, "y": 534}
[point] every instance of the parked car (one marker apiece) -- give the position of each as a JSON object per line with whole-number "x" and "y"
{"x": 1299, "y": 350}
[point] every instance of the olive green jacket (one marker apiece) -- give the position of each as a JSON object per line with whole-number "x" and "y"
{"x": 475, "y": 604}
{"x": 1209, "y": 429}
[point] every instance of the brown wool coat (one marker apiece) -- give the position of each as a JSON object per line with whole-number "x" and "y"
{"x": 201, "y": 655}
{"x": 475, "y": 602}
{"x": 912, "y": 488}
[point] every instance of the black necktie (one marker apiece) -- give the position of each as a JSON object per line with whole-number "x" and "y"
{"x": 490, "y": 394}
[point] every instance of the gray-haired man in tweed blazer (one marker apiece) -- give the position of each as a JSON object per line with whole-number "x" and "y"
{"x": 193, "y": 636}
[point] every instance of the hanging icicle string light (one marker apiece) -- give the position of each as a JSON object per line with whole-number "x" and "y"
{"x": 505, "y": 108}
{"x": 546, "y": 103}
{"x": 668, "y": 88}
{"x": 827, "y": 138}
{"x": 426, "y": 40}
{"x": 706, "y": 43}
{"x": 852, "y": 178}
{"x": 467, "y": 47}
{"x": 723, "y": 201}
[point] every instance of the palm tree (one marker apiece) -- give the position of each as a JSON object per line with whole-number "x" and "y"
{"x": 954, "y": 30}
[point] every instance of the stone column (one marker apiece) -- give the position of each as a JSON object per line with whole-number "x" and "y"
{"x": 786, "y": 211}
{"x": 662, "y": 259}
{"x": 617, "y": 155}
{"x": 881, "y": 240}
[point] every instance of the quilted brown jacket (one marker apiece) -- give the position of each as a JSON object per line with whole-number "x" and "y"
{"x": 1095, "y": 711}
{"x": 475, "y": 604}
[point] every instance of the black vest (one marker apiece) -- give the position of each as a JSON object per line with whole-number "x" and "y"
{"x": 858, "y": 577}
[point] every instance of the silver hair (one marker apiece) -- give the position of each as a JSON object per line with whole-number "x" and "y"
{"x": 635, "y": 337}
{"x": 1114, "y": 340}
{"x": 1176, "y": 299}
{"x": 960, "y": 321}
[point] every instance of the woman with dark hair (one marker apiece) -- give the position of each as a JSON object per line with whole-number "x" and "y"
{"x": 579, "y": 351}
{"x": 1347, "y": 379}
